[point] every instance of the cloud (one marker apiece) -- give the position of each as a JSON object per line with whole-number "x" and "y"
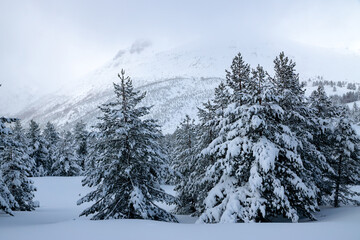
{"x": 139, "y": 46}
{"x": 119, "y": 54}
{"x": 47, "y": 44}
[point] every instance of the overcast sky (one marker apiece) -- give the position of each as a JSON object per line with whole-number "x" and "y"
{"x": 47, "y": 43}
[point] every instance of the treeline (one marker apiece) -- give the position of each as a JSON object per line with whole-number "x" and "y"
{"x": 36, "y": 153}
{"x": 260, "y": 151}
{"x": 348, "y": 97}
{"x": 322, "y": 82}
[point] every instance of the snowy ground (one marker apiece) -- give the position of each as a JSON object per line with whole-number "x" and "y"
{"x": 57, "y": 218}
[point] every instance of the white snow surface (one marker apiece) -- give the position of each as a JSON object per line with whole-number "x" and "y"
{"x": 58, "y": 219}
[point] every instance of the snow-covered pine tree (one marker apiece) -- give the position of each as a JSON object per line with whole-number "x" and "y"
{"x": 355, "y": 113}
{"x": 206, "y": 132}
{"x": 21, "y": 139}
{"x": 345, "y": 160}
{"x": 193, "y": 191}
{"x": 7, "y": 200}
{"x": 66, "y": 163}
{"x": 221, "y": 99}
{"x": 183, "y": 164}
{"x": 90, "y": 160}
{"x": 208, "y": 117}
{"x": 322, "y": 105}
{"x": 258, "y": 171}
{"x": 128, "y": 161}
{"x": 81, "y": 142}
{"x": 38, "y": 151}
{"x": 324, "y": 115}
{"x": 168, "y": 144}
{"x": 15, "y": 169}
{"x": 237, "y": 77}
{"x": 52, "y": 138}
{"x": 233, "y": 93}
{"x": 4, "y": 129}
{"x": 236, "y": 81}
{"x": 185, "y": 138}
{"x": 300, "y": 118}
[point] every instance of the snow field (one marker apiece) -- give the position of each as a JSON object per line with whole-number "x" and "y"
{"x": 58, "y": 219}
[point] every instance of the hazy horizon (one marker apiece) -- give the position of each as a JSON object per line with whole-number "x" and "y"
{"x": 47, "y": 45}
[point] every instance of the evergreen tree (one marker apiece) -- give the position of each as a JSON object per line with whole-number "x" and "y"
{"x": 338, "y": 143}
{"x": 258, "y": 171}
{"x": 206, "y": 133}
{"x": 52, "y": 138}
{"x": 66, "y": 163}
{"x": 168, "y": 144}
{"x": 237, "y": 77}
{"x": 196, "y": 186}
{"x": 233, "y": 93}
{"x": 355, "y": 113}
{"x": 38, "y": 151}
{"x": 81, "y": 144}
{"x": 184, "y": 147}
{"x": 345, "y": 161}
{"x": 221, "y": 99}
{"x": 322, "y": 105}
{"x": 128, "y": 162}
{"x": 183, "y": 164}
{"x": 21, "y": 140}
{"x": 90, "y": 160}
{"x": 7, "y": 200}
{"x": 14, "y": 172}
{"x": 5, "y": 130}
{"x": 300, "y": 119}
{"x": 324, "y": 114}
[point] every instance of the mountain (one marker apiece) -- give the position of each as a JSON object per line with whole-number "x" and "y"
{"x": 178, "y": 80}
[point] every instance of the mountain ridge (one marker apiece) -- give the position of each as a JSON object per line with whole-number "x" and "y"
{"x": 177, "y": 81}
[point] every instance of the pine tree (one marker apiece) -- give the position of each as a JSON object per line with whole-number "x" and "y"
{"x": 81, "y": 142}
{"x": 66, "y": 163}
{"x": 14, "y": 172}
{"x": 237, "y": 77}
{"x": 128, "y": 161}
{"x": 184, "y": 147}
{"x": 233, "y": 93}
{"x": 21, "y": 139}
{"x": 38, "y": 151}
{"x": 258, "y": 172}
{"x": 90, "y": 160}
{"x": 168, "y": 145}
{"x": 355, "y": 113}
{"x": 300, "y": 119}
{"x": 7, "y": 200}
{"x": 206, "y": 133}
{"x": 51, "y": 137}
{"x": 345, "y": 161}
{"x": 183, "y": 164}
{"x": 195, "y": 187}
{"x": 324, "y": 114}
{"x": 221, "y": 99}
{"x": 322, "y": 105}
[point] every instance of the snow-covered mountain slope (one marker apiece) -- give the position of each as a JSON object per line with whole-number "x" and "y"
{"x": 171, "y": 100}
{"x": 178, "y": 80}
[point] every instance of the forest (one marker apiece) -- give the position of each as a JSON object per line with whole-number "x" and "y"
{"x": 259, "y": 151}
